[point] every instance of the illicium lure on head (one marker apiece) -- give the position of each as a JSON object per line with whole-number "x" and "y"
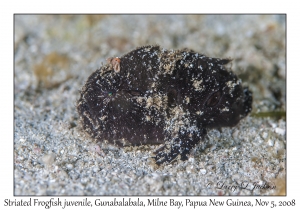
{"x": 156, "y": 96}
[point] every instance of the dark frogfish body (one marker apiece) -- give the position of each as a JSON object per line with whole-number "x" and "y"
{"x": 156, "y": 96}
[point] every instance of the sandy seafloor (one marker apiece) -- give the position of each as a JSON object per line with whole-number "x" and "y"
{"x": 55, "y": 54}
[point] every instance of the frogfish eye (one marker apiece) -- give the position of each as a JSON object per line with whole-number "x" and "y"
{"x": 106, "y": 93}
{"x": 214, "y": 99}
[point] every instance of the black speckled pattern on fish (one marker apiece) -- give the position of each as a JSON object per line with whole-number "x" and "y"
{"x": 156, "y": 96}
